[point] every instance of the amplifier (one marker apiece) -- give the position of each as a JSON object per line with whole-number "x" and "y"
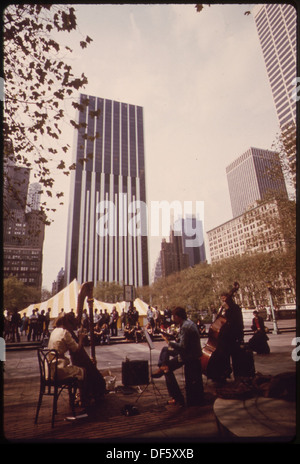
{"x": 135, "y": 373}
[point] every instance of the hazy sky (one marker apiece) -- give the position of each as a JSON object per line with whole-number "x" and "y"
{"x": 202, "y": 82}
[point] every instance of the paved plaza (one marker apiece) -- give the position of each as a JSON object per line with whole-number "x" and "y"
{"x": 219, "y": 419}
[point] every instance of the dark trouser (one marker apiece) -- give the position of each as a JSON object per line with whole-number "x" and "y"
{"x": 193, "y": 382}
{"x": 114, "y": 329}
{"x": 171, "y": 382}
{"x": 173, "y": 364}
{"x": 193, "y": 377}
{"x": 15, "y": 332}
{"x": 219, "y": 368}
{"x": 33, "y": 331}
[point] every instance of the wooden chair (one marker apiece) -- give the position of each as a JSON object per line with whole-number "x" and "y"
{"x": 49, "y": 383}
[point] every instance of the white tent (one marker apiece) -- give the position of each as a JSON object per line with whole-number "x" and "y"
{"x": 66, "y": 299}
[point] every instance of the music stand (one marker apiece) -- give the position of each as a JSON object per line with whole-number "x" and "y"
{"x": 151, "y": 347}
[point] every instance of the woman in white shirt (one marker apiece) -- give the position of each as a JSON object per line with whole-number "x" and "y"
{"x": 62, "y": 341}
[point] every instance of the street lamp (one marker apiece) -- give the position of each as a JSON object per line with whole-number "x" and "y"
{"x": 275, "y": 330}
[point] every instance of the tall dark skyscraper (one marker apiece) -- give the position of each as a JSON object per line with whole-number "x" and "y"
{"x": 106, "y": 187}
{"x": 252, "y": 176}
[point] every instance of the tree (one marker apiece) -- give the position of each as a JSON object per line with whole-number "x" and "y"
{"x": 199, "y": 287}
{"x": 110, "y": 292}
{"x": 199, "y": 7}
{"x": 285, "y": 146}
{"x": 38, "y": 82}
{"x": 17, "y": 295}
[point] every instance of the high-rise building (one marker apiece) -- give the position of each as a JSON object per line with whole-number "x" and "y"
{"x": 34, "y": 197}
{"x": 253, "y": 176}
{"x": 185, "y": 248}
{"x": 23, "y": 232}
{"x": 16, "y": 183}
{"x": 107, "y": 187}
{"x": 157, "y": 270}
{"x": 276, "y": 27}
{"x": 58, "y": 284}
{"x": 192, "y": 239}
{"x": 173, "y": 259}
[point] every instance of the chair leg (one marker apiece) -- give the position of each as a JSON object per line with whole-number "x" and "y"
{"x": 54, "y": 410}
{"x": 38, "y": 406}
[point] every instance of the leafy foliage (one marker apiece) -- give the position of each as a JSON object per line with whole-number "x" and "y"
{"x": 285, "y": 146}
{"x": 38, "y": 81}
{"x": 17, "y": 295}
{"x": 200, "y": 287}
{"x": 110, "y": 292}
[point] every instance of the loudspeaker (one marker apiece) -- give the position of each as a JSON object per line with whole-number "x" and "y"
{"x": 135, "y": 373}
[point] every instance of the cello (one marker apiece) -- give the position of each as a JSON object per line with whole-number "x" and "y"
{"x": 213, "y": 334}
{"x": 80, "y": 358}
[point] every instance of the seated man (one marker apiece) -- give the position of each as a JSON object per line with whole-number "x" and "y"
{"x": 185, "y": 351}
{"x": 138, "y": 333}
{"x": 129, "y": 332}
{"x": 102, "y": 334}
{"x": 259, "y": 341}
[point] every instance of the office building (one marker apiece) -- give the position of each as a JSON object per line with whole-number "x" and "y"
{"x": 103, "y": 243}
{"x": 23, "y": 232}
{"x": 192, "y": 239}
{"x": 254, "y": 176}
{"x": 185, "y": 247}
{"x": 34, "y": 197}
{"x": 276, "y": 26}
{"x": 157, "y": 270}
{"x": 173, "y": 259}
{"x": 251, "y": 232}
{"x": 58, "y": 284}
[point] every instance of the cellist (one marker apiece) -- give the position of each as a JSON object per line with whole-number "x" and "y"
{"x": 230, "y": 337}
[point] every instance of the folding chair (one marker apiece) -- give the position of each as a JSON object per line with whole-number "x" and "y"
{"x": 49, "y": 383}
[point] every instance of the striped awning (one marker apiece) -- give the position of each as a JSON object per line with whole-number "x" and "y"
{"x": 66, "y": 300}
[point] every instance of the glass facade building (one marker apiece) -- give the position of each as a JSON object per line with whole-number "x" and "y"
{"x": 276, "y": 27}
{"x": 253, "y": 176}
{"x": 106, "y": 185}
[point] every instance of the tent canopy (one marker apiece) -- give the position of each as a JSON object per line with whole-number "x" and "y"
{"x": 66, "y": 300}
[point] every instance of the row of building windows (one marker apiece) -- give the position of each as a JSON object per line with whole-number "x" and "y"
{"x": 239, "y": 236}
{"x": 22, "y": 268}
{"x": 122, "y": 126}
{"x": 221, "y": 254}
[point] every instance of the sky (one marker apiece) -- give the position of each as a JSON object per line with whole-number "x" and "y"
{"x": 202, "y": 82}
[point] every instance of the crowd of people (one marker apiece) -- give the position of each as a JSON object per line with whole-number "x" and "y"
{"x": 34, "y": 327}
{"x": 107, "y": 325}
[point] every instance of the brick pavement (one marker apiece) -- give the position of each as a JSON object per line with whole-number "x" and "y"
{"x": 155, "y": 422}
{"x": 107, "y": 423}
